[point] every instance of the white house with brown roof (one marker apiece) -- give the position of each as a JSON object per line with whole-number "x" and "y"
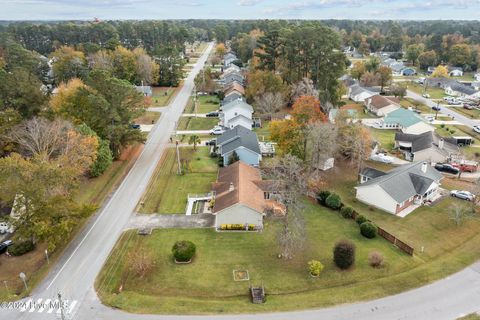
{"x": 381, "y": 105}
{"x": 239, "y": 198}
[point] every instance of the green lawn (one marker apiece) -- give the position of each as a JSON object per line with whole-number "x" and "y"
{"x": 263, "y": 133}
{"x": 385, "y": 137}
{"x": 167, "y": 191}
{"x": 472, "y": 316}
{"x": 208, "y": 103}
{"x": 163, "y": 95}
{"x": 435, "y": 93}
{"x": 207, "y": 286}
{"x": 149, "y": 117}
{"x": 192, "y": 123}
{"x": 429, "y": 227}
{"x": 474, "y": 113}
{"x": 409, "y": 102}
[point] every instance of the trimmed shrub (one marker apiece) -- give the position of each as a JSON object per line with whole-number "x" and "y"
{"x": 183, "y": 251}
{"x": 315, "y": 267}
{"x": 333, "y": 201}
{"x": 20, "y": 248}
{"x": 361, "y": 219}
{"x": 368, "y": 230}
{"x": 347, "y": 212}
{"x": 322, "y": 196}
{"x": 375, "y": 259}
{"x": 344, "y": 254}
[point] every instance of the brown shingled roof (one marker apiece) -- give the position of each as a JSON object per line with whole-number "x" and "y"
{"x": 379, "y": 101}
{"x": 242, "y": 178}
{"x": 234, "y": 86}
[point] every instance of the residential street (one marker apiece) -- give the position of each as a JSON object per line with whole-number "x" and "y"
{"x": 76, "y": 271}
{"x": 457, "y": 116}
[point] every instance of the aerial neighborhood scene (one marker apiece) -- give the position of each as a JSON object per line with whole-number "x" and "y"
{"x": 239, "y": 159}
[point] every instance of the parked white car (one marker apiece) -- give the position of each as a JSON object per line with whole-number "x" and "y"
{"x": 462, "y": 194}
{"x": 5, "y": 227}
{"x": 217, "y": 131}
{"x": 382, "y": 157}
{"x": 476, "y": 129}
{"x": 430, "y": 118}
{"x": 426, "y": 95}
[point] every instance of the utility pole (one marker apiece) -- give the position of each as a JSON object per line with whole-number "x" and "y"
{"x": 178, "y": 158}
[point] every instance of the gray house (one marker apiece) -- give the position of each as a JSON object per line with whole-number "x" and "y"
{"x": 145, "y": 90}
{"x": 234, "y": 96}
{"x": 243, "y": 142}
{"x": 425, "y": 147}
{"x": 232, "y": 77}
{"x": 400, "y": 190}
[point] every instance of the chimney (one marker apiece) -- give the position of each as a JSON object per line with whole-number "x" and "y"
{"x": 441, "y": 143}
{"x": 424, "y": 167}
{"x": 231, "y": 188}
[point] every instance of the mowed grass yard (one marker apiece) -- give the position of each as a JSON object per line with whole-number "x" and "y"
{"x": 207, "y": 286}
{"x": 193, "y": 123}
{"x": 167, "y": 191}
{"x": 205, "y": 104}
{"x": 385, "y": 137}
{"x": 428, "y": 227}
{"x": 163, "y": 95}
{"x": 149, "y": 117}
{"x": 435, "y": 93}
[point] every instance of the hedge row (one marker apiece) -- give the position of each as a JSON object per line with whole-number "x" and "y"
{"x": 251, "y": 227}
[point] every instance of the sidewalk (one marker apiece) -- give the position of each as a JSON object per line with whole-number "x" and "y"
{"x": 159, "y": 221}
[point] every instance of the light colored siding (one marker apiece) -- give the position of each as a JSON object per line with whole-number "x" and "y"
{"x": 377, "y": 197}
{"x": 245, "y": 155}
{"x": 430, "y": 154}
{"x": 238, "y": 214}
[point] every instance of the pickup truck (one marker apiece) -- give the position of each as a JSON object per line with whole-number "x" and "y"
{"x": 466, "y": 166}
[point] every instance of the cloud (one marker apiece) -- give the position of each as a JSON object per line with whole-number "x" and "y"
{"x": 246, "y": 3}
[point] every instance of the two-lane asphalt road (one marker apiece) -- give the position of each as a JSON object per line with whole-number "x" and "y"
{"x": 447, "y": 111}
{"x": 76, "y": 272}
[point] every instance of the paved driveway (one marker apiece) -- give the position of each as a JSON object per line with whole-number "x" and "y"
{"x": 154, "y": 221}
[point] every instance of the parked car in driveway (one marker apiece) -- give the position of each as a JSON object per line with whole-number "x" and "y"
{"x": 4, "y": 246}
{"x": 462, "y": 194}
{"x": 447, "y": 168}
{"x": 382, "y": 157}
{"x": 212, "y": 114}
{"x": 436, "y": 108}
{"x": 217, "y": 131}
{"x": 426, "y": 95}
{"x": 430, "y": 118}
{"x": 476, "y": 129}
{"x": 135, "y": 126}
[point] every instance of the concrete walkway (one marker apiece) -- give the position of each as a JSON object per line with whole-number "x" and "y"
{"x": 193, "y": 132}
{"x": 160, "y": 221}
{"x": 158, "y": 109}
{"x": 198, "y": 115}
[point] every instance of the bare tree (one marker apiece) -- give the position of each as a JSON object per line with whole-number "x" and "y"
{"x": 324, "y": 143}
{"x": 146, "y": 68}
{"x": 55, "y": 140}
{"x": 100, "y": 60}
{"x": 355, "y": 143}
{"x": 305, "y": 87}
{"x": 39, "y": 136}
{"x": 289, "y": 187}
{"x": 269, "y": 103}
{"x": 459, "y": 213}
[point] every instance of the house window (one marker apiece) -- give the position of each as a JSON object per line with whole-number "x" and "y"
{"x": 266, "y": 195}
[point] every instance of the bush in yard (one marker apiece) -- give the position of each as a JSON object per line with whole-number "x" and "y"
{"x": 375, "y": 259}
{"x": 361, "y": 219}
{"x": 183, "y": 251}
{"x": 20, "y": 248}
{"x": 344, "y": 254}
{"x": 315, "y": 267}
{"x": 333, "y": 201}
{"x": 368, "y": 230}
{"x": 346, "y": 212}
{"x": 322, "y": 196}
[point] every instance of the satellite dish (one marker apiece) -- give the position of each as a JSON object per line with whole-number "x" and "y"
{"x": 22, "y": 276}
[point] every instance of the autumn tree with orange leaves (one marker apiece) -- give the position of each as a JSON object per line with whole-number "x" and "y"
{"x": 292, "y": 134}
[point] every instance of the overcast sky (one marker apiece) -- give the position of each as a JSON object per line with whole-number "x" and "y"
{"x": 239, "y": 9}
